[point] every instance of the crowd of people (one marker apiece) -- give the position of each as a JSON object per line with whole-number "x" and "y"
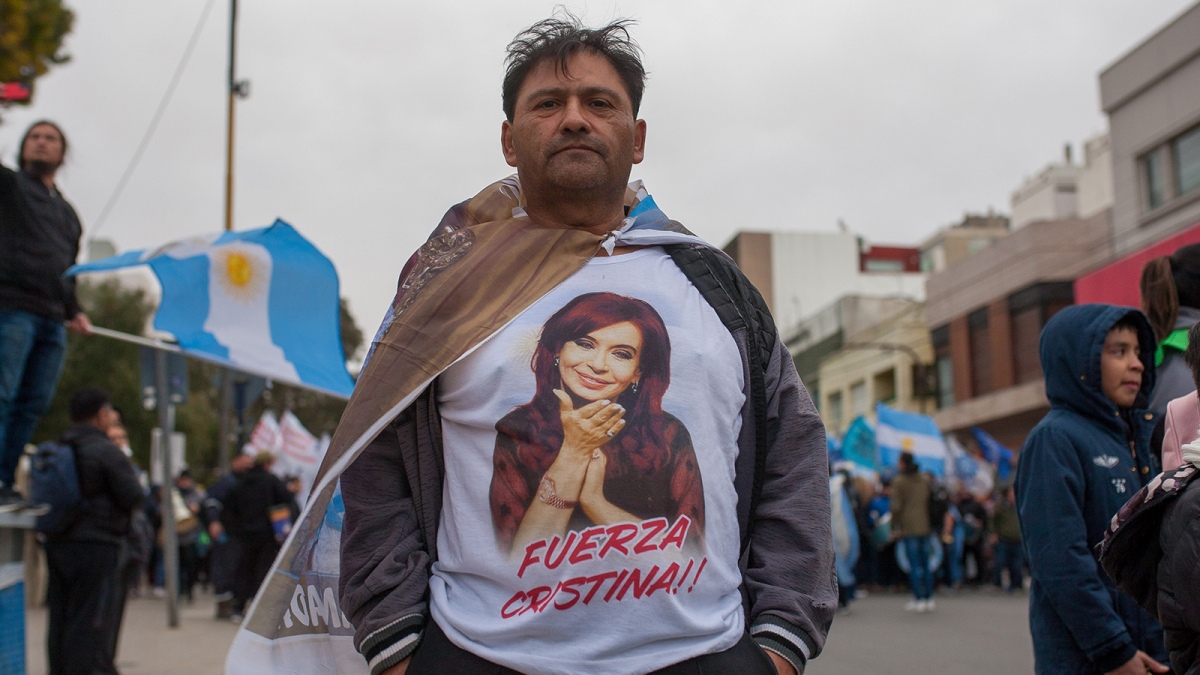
{"x": 956, "y": 539}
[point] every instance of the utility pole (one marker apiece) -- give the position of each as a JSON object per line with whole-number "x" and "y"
{"x": 237, "y": 89}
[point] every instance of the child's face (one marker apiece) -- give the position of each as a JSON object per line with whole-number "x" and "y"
{"x": 1120, "y": 368}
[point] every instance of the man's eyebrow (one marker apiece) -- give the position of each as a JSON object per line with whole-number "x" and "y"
{"x": 559, "y": 91}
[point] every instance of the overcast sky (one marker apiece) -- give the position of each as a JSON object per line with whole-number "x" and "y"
{"x": 367, "y": 120}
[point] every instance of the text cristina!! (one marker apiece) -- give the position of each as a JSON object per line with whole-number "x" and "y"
{"x": 599, "y": 543}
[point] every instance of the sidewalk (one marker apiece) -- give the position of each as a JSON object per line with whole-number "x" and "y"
{"x": 148, "y": 647}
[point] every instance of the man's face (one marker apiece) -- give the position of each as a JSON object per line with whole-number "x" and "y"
{"x": 43, "y": 149}
{"x": 573, "y": 135}
{"x": 106, "y": 418}
{"x": 1120, "y": 368}
{"x": 118, "y": 435}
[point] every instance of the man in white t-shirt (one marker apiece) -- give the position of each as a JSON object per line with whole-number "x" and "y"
{"x": 627, "y": 476}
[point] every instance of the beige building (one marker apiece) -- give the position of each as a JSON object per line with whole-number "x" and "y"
{"x": 949, "y": 245}
{"x": 886, "y": 362}
{"x": 1152, "y": 98}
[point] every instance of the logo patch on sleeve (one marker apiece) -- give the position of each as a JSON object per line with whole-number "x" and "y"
{"x": 1106, "y": 461}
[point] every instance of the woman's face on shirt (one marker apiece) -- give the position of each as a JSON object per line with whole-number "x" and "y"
{"x": 603, "y": 363}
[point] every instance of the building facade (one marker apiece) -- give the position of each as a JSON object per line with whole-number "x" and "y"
{"x": 1152, "y": 98}
{"x": 949, "y": 245}
{"x": 985, "y": 315}
{"x": 888, "y": 362}
{"x": 801, "y": 273}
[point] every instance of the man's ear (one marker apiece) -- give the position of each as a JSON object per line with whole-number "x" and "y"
{"x": 639, "y": 141}
{"x": 506, "y": 144}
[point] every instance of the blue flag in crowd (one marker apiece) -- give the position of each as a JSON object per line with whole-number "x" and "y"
{"x": 833, "y": 448}
{"x": 261, "y": 301}
{"x": 997, "y": 455}
{"x": 858, "y": 445}
{"x": 972, "y": 473}
{"x": 918, "y": 434}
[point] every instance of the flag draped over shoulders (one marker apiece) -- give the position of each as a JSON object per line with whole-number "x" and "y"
{"x": 446, "y": 304}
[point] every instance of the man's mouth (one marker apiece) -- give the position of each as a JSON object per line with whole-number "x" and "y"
{"x": 576, "y": 146}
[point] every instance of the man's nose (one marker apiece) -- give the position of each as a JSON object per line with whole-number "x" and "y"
{"x": 1137, "y": 364}
{"x": 574, "y": 119}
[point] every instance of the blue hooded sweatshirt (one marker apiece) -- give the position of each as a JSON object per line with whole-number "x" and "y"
{"x": 1080, "y": 464}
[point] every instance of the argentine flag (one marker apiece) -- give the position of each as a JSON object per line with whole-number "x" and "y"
{"x": 899, "y": 432}
{"x": 262, "y": 301}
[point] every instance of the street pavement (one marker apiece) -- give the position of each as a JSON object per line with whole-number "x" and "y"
{"x": 970, "y": 632}
{"x": 148, "y": 647}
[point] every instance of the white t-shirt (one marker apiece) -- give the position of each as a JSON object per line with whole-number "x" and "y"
{"x": 628, "y": 596}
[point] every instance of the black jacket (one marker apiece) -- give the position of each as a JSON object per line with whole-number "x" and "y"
{"x": 1179, "y": 580}
{"x": 39, "y": 238}
{"x": 109, "y": 485}
{"x": 247, "y": 510}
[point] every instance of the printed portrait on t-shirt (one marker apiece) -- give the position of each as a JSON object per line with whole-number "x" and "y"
{"x": 594, "y": 446}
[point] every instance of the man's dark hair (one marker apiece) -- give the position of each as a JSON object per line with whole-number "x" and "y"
{"x": 87, "y": 403}
{"x": 21, "y": 147}
{"x": 559, "y": 38}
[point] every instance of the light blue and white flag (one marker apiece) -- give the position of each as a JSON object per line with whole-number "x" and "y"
{"x": 898, "y": 432}
{"x": 263, "y": 301}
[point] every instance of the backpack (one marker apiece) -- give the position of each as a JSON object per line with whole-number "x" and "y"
{"x": 939, "y": 505}
{"x": 54, "y": 482}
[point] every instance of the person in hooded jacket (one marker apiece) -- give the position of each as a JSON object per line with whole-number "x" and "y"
{"x": 84, "y": 593}
{"x": 1078, "y": 466}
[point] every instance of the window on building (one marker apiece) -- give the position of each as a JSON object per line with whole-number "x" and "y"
{"x": 977, "y": 244}
{"x": 943, "y": 366}
{"x": 945, "y": 381}
{"x": 1153, "y": 184}
{"x": 1027, "y": 330}
{"x": 1030, "y": 309}
{"x": 981, "y": 352}
{"x": 885, "y": 386}
{"x": 1171, "y": 170}
{"x": 1185, "y": 151}
{"x": 858, "y": 398}
{"x": 836, "y": 410}
{"x": 877, "y": 265}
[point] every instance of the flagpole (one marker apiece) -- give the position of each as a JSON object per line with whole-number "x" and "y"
{"x": 173, "y": 348}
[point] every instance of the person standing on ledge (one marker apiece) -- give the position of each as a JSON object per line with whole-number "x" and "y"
{"x": 39, "y": 235}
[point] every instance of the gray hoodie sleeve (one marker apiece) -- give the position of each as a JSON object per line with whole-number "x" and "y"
{"x": 384, "y": 563}
{"x": 790, "y": 574}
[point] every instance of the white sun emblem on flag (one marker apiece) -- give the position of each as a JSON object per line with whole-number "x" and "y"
{"x": 240, "y": 274}
{"x": 522, "y": 348}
